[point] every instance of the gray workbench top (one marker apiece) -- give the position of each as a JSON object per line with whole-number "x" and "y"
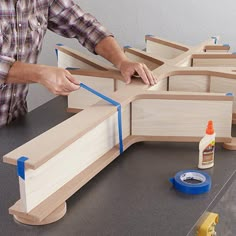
{"x": 132, "y": 196}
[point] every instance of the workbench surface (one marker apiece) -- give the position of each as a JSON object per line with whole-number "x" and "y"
{"x": 132, "y": 196}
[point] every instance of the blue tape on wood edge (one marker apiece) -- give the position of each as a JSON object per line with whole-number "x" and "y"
{"x": 215, "y": 39}
{"x": 120, "y": 128}
{"x": 127, "y": 46}
{"x": 113, "y": 102}
{"x": 189, "y": 188}
{"x": 21, "y": 167}
{"x": 229, "y": 94}
{"x": 72, "y": 68}
{"x": 56, "y": 50}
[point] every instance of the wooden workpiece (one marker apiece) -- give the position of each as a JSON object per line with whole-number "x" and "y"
{"x": 176, "y": 109}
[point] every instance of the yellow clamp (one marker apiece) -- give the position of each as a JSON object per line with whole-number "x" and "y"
{"x": 207, "y": 227}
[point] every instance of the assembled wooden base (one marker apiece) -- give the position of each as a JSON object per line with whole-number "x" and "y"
{"x": 192, "y": 89}
{"x": 53, "y": 217}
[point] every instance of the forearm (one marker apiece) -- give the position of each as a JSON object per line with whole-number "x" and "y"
{"x": 57, "y": 80}
{"x": 23, "y": 73}
{"x": 110, "y": 50}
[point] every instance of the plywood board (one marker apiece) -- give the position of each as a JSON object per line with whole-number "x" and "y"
{"x": 224, "y": 85}
{"x": 180, "y": 117}
{"x": 39, "y": 184}
{"x": 193, "y": 83}
{"x": 81, "y": 98}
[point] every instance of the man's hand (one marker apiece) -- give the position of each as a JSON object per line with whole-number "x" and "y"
{"x": 130, "y": 68}
{"x": 57, "y": 80}
{"x": 110, "y": 50}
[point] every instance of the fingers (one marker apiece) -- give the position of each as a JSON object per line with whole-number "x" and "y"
{"x": 71, "y": 78}
{"x": 64, "y": 83}
{"x": 146, "y": 75}
{"x": 127, "y": 79}
{"x": 133, "y": 69}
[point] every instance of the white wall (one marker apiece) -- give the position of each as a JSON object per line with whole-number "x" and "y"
{"x": 185, "y": 21}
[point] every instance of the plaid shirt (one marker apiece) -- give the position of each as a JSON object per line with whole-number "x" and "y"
{"x": 23, "y": 25}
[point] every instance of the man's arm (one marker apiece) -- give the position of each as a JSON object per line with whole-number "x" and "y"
{"x": 110, "y": 50}
{"x": 67, "y": 19}
{"x": 57, "y": 80}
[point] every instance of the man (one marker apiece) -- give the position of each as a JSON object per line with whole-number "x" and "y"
{"x": 23, "y": 25}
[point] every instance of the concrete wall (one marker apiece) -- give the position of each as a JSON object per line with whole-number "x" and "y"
{"x": 186, "y": 21}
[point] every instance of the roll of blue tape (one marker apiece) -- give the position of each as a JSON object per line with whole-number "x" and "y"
{"x": 203, "y": 184}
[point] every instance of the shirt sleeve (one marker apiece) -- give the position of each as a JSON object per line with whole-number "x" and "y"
{"x": 5, "y": 65}
{"x": 67, "y": 19}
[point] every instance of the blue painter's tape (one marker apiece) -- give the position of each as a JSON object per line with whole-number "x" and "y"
{"x": 120, "y": 128}
{"x": 56, "y": 50}
{"x": 229, "y": 94}
{"x": 215, "y": 39}
{"x": 113, "y": 102}
{"x": 149, "y": 35}
{"x": 127, "y": 46}
{"x": 21, "y": 167}
{"x": 226, "y": 45}
{"x": 179, "y": 182}
{"x": 72, "y": 68}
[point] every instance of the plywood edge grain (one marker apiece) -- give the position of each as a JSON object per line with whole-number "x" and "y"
{"x": 143, "y": 54}
{"x": 167, "y": 43}
{"x": 84, "y": 58}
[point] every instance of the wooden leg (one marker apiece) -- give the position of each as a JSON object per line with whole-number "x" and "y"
{"x": 53, "y": 217}
{"x": 231, "y": 145}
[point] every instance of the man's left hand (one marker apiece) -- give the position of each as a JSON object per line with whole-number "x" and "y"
{"x": 130, "y": 68}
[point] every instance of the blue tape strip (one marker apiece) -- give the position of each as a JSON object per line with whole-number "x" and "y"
{"x": 190, "y": 188}
{"x": 72, "y": 68}
{"x": 149, "y": 35}
{"x": 229, "y": 94}
{"x": 113, "y": 102}
{"x": 21, "y": 167}
{"x": 215, "y": 39}
{"x": 56, "y": 50}
{"x": 226, "y": 45}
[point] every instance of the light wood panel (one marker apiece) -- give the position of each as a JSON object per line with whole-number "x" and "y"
{"x": 194, "y": 83}
{"x": 81, "y": 98}
{"x": 68, "y": 57}
{"x": 180, "y": 118}
{"x": 164, "y": 48}
{"x": 40, "y": 183}
{"x": 221, "y": 60}
{"x": 142, "y": 57}
{"x": 220, "y": 85}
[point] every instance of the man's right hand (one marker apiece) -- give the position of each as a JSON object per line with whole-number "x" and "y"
{"x": 57, "y": 80}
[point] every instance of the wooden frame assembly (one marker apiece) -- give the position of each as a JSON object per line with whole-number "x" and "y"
{"x": 196, "y": 84}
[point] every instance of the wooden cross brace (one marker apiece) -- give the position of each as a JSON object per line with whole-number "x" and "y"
{"x": 194, "y": 86}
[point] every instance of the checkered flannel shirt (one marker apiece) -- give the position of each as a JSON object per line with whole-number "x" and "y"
{"x": 23, "y": 24}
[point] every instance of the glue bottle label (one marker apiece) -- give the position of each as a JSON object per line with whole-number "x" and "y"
{"x": 208, "y": 154}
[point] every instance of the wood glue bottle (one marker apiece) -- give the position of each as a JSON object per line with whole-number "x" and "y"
{"x": 207, "y": 148}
